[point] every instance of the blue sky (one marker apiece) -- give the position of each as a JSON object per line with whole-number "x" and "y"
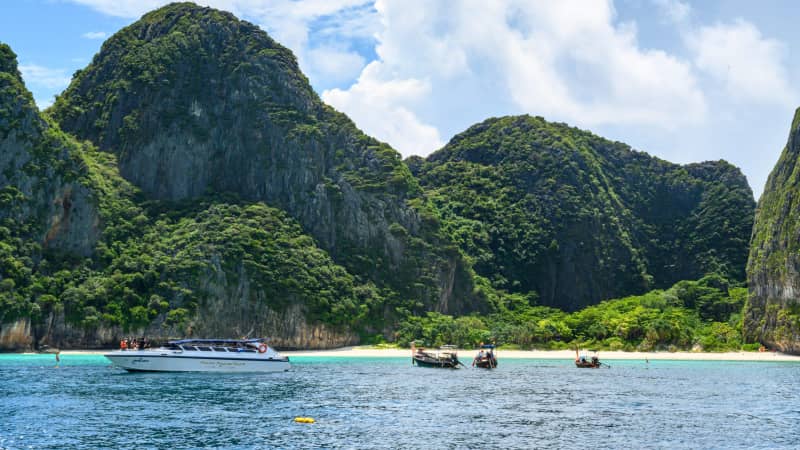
{"x": 685, "y": 81}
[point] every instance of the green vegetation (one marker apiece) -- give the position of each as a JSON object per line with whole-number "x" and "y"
{"x": 199, "y": 178}
{"x": 548, "y": 209}
{"x": 194, "y": 101}
{"x": 772, "y": 315}
{"x": 704, "y": 314}
{"x": 156, "y": 263}
{"x": 152, "y": 263}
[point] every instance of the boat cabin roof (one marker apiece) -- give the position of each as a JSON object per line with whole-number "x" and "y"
{"x": 489, "y": 346}
{"x": 220, "y": 342}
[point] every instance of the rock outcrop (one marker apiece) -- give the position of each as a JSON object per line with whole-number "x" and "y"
{"x": 40, "y": 196}
{"x": 572, "y": 218}
{"x": 213, "y": 194}
{"x": 772, "y": 314}
{"x": 195, "y": 102}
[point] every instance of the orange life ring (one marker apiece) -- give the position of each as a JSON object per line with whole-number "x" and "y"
{"x": 262, "y": 348}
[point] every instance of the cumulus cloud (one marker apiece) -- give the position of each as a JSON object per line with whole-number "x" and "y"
{"x": 564, "y": 60}
{"x": 413, "y": 73}
{"x": 382, "y": 108}
{"x": 675, "y": 10}
{"x": 95, "y": 35}
{"x": 44, "y": 76}
{"x": 40, "y": 79}
{"x": 750, "y": 66}
{"x": 334, "y": 65}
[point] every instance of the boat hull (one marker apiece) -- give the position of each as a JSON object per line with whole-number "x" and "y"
{"x": 587, "y": 365}
{"x": 486, "y": 363}
{"x": 439, "y": 363}
{"x": 154, "y": 361}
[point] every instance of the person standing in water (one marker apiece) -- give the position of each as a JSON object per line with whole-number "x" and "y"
{"x": 58, "y": 357}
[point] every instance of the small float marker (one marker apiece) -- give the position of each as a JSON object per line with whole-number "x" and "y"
{"x": 304, "y": 419}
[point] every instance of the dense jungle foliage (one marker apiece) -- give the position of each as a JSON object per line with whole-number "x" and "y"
{"x": 691, "y": 315}
{"x": 188, "y": 204}
{"x": 155, "y": 262}
{"x": 194, "y": 101}
{"x": 545, "y": 208}
{"x": 773, "y": 311}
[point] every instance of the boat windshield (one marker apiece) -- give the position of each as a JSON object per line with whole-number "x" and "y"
{"x": 216, "y": 345}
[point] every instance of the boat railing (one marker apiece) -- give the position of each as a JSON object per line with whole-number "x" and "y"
{"x": 201, "y": 348}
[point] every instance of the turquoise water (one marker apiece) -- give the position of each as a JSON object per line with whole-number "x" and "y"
{"x": 387, "y": 403}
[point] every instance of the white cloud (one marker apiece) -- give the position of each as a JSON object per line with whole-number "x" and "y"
{"x": 42, "y": 81}
{"x": 35, "y": 75}
{"x": 675, "y": 10}
{"x": 563, "y": 60}
{"x": 334, "y": 65}
{"x": 327, "y": 60}
{"x": 289, "y": 21}
{"x": 442, "y": 66}
{"x": 749, "y": 65}
{"x": 377, "y": 106}
{"x": 95, "y": 35}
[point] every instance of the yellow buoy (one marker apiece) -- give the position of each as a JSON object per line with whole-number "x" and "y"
{"x": 304, "y": 419}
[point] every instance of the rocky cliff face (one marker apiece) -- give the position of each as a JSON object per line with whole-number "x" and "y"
{"x": 772, "y": 314}
{"x": 61, "y": 201}
{"x": 195, "y": 102}
{"x": 226, "y": 199}
{"x": 40, "y": 196}
{"x": 572, "y": 218}
{"x": 288, "y": 329}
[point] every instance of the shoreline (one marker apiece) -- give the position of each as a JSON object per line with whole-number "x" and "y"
{"x": 370, "y": 352}
{"x": 367, "y": 352}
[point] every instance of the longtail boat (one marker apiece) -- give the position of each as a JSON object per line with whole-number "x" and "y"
{"x": 486, "y": 357}
{"x": 445, "y": 357}
{"x": 584, "y": 362}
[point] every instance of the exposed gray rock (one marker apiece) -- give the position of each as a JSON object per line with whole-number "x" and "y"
{"x": 772, "y": 314}
{"x": 195, "y": 102}
{"x": 35, "y": 164}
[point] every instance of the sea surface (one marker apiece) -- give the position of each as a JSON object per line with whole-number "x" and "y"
{"x": 388, "y": 403}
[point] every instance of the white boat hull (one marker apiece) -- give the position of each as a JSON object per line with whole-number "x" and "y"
{"x": 175, "y": 361}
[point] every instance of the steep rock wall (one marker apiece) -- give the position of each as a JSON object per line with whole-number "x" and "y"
{"x": 195, "y": 102}
{"x": 571, "y": 218}
{"x": 772, "y": 314}
{"x": 38, "y": 172}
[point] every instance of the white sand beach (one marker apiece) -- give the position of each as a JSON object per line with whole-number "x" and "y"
{"x": 371, "y": 352}
{"x": 356, "y": 352}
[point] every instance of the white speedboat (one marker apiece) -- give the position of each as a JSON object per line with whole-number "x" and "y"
{"x": 203, "y": 355}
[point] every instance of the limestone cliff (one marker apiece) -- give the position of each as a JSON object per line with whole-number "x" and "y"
{"x": 45, "y": 206}
{"x": 195, "y": 102}
{"x": 772, "y": 314}
{"x": 83, "y": 263}
{"x": 40, "y": 197}
{"x": 571, "y": 218}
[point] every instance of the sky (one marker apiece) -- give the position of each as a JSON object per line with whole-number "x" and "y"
{"x": 684, "y": 81}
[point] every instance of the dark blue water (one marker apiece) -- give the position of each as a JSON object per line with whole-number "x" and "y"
{"x": 387, "y": 403}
